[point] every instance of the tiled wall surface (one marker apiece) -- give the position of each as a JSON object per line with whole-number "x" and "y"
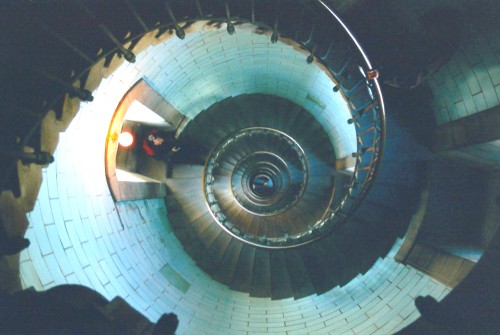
{"x": 80, "y": 236}
{"x": 211, "y": 65}
{"x": 470, "y": 82}
{"x": 90, "y": 247}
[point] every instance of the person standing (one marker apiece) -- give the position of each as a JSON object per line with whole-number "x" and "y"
{"x": 160, "y": 144}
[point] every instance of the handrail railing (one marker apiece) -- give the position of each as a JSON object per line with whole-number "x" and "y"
{"x": 362, "y": 93}
{"x": 289, "y": 174}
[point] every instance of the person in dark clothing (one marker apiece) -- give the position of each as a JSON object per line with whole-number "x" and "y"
{"x": 11, "y": 245}
{"x": 160, "y": 144}
{"x": 75, "y": 309}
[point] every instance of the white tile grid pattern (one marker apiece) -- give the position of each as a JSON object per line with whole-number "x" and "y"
{"x": 77, "y": 234}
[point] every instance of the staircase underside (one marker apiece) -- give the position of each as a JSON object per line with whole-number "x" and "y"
{"x": 279, "y": 274}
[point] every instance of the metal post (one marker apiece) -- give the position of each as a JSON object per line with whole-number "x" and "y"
{"x": 136, "y": 15}
{"x": 178, "y": 30}
{"x": 127, "y": 54}
{"x": 230, "y": 26}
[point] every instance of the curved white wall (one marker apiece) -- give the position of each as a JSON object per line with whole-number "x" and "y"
{"x": 210, "y": 65}
{"x": 80, "y": 236}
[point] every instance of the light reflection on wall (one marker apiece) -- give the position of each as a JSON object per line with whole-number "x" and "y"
{"x": 79, "y": 235}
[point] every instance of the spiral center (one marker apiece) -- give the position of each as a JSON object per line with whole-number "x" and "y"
{"x": 262, "y": 185}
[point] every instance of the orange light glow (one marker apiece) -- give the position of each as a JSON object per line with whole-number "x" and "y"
{"x": 126, "y": 139}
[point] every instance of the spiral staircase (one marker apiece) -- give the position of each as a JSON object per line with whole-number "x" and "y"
{"x": 262, "y": 132}
{"x": 312, "y": 229}
{"x": 257, "y": 203}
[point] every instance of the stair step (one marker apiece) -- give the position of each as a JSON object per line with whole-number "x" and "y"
{"x": 310, "y": 269}
{"x": 293, "y": 114}
{"x": 227, "y": 266}
{"x": 242, "y": 279}
{"x": 180, "y": 171}
{"x": 195, "y": 248}
{"x": 291, "y": 223}
{"x": 209, "y": 235}
{"x": 202, "y": 223}
{"x": 281, "y": 287}
{"x": 213, "y": 255}
{"x": 181, "y": 188}
{"x": 194, "y": 210}
{"x": 322, "y": 275}
{"x": 299, "y": 277}
{"x": 261, "y": 275}
{"x": 339, "y": 262}
{"x": 179, "y": 223}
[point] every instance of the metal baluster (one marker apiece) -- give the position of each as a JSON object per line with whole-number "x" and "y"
{"x": 363, "y": 150}
{"x": 355, "y": 89}
{"x": 327, "y": 54}
{"x": 200, "y": 11}
{"x": 179, "y": 32}
{"x": 136, "y": 15}
{"x": 309, "y": 39}
{"x": 65, "y": 41}
{"x": 253, "y": 11}
{"x": 127, "y": 54}
{"x": 300, "y": 24}
{"x": 363, "y": 133}
{"x": 310, "y": 58}
{"x": 341, "y": 72}
{"x": 274, "y": 36}
{"x": 230, "y": 26}
{"x": 362, "y": 111}
{"x": 80, "y": 93}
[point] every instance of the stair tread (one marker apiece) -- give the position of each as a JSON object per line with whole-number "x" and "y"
{"x": 261, "y": 275}
{"x": 209, "y": 235}
{"x": 213, "y": 255}
{"x": 227, "y": 266}
{"x": 202, "y": 223}
{"x": 242, "y": 278}
{"x": 186, "y": 171}
{"x": 323, "y": 275}
{"x": 281, "y": 287}
{"x": 299, "y": 277}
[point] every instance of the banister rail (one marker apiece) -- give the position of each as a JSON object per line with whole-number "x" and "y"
{"x": 323, "y": 33}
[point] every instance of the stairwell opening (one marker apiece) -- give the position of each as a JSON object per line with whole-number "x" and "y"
{"x": 125, "y": 259}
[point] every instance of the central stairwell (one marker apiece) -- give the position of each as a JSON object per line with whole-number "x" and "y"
{"x": 294, "y": 271}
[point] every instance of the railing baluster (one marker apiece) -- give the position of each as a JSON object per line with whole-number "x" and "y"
{"x": 136, "y": 15}
{"x": 353, "y": 90}
{"x": 65, "y": 41}
{"x": 274, "y": 36}
{"x": 127, "y": 54}
{"x": 200, "y": 10}
{"x": 309, "y": 39}
{"x": 327, "y": 54}
{"x": 366, "y": 131}
{"x": 365, "y": 168}
{"x": 80, "y": 93}
{"x": 253, "y": 10}
{"x": 230, "y": 26}
{"x": 362, "y": 151}
{"x": 179, "y": 32}
{"x": 349, "y": 60}
{"x": 361, "y": 112}
{"x": 340, "y": 82}
{"x": 301, "y": 19}
{"x": 310, "y": 58}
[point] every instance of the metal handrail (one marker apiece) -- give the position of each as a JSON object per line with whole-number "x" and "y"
{"x": 366, "y": 105}
{"x": 209, "y": 177}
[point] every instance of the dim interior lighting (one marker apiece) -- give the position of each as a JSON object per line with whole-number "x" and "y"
{"x": 126, "y": 139}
